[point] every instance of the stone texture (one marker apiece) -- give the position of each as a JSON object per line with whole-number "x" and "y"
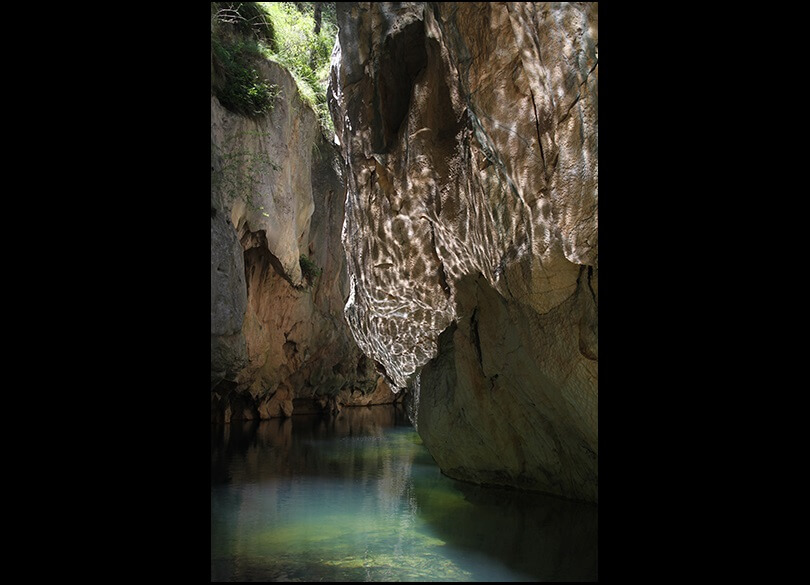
{"x": 228, "y": 301}
{"x": 470, "y": 137}
{"x": 278, "y": 339}
{"x": 382, "y": 394}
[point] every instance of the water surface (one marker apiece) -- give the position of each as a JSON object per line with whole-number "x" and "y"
{"x": 359, "y": 498}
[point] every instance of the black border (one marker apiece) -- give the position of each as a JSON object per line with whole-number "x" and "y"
{"x": 652, "y": 117}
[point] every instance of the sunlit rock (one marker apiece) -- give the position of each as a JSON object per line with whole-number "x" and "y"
{"x": 469, "y": 132}
{"x": 278, "y": 335}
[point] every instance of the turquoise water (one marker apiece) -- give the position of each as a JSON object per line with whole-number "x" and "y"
{"x": 359, "y": 498}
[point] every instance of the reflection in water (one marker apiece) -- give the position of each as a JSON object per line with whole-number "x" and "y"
{"x": 358, "y": 498}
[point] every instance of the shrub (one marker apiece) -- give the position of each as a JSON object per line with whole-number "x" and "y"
{"x": 238, "y": 33}
{"x": 248, "y": 18}
{"x": 305, "y": 53}
{"x": 284, "y": 32}
{"x": 309, "y": 269}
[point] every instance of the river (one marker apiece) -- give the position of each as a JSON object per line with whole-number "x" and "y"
{"x": 357, "y": 497}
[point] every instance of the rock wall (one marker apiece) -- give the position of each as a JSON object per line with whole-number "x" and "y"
{"x": 470, "y": 136}
{"x": 279, "y": 341}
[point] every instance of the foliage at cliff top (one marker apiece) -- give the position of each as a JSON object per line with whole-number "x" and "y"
{"x": 237, "y": 29}
{"x": 297, "y": 35}
{"x": 304, "y": 47}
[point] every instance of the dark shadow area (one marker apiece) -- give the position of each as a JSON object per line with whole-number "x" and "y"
{"x": 403, "y": 59}
{"x": 358, "y": 497}
{"x": 284, "y": 446}
{"x": 547, "y": 538}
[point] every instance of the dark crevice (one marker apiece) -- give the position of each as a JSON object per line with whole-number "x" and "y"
{"x": 443, "y": 279}
{"x": 590, "y": 452}
{"x": 584, "y": 81}
{"x": 474, "y": 337}
{"x": 258, "y": 254}
{"x": 224, "y": 387}
{"x": 587, "y": 339}
{"x": 442, "y": 274}
{"x": 568, "y": 111}
{"x": 381, "y": 370}
{"x": 582, "y": 268}
{"x": 290, "y": 349}
{"x": 593, "y": 294}
{"x": 537, "y": 126}
{"x": 403, "y": 58}
{"x": 361, "y": 366}
{"x": 501, "y": 270}
{"x": 536, "y": 40}
{"x": 586, "y": 351}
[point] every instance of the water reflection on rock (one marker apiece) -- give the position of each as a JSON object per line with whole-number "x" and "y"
{"x": 357, "y": 497}
{"x": 541, "y": 536}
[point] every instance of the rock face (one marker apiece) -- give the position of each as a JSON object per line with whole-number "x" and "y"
{"x": 278, "y": 336}
{"x": 228, "y": 301}
{"x": 469, "y": 132}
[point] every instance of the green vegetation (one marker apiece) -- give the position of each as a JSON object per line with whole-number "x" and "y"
{"x": 242, "y": 89}
{"x": 297, "y": 35}
{"x": 309, "y": 269}
{"x": 304, "y": 47}
{"x": 239, "y": 172}
{"x": 245, "y": 17}
{"x": 239, "y": 31}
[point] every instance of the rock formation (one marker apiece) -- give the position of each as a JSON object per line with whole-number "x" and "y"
{"x": 469, "y": 132}
{"x": 279, "y": 342}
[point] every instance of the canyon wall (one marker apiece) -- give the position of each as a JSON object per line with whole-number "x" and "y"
{"x": 279, "y": 341}
{"x": 469, "y": 132}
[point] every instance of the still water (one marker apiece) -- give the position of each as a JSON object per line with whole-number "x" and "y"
{"x": 359, "y": 498}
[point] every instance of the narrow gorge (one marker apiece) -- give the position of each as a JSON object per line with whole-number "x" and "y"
{"x": 279, "y": 342}
{"x": 410, "y": 224}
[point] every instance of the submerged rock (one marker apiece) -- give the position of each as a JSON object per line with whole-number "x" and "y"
{"x": 469, "y": 132}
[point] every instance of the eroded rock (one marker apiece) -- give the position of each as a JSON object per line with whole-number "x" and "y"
{"x": 278, "y": 335}
{"x": 470, "y": 137}
{"x": 228, "y": 301}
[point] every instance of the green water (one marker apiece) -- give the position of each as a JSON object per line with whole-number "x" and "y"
{"x": 359, "y": 498}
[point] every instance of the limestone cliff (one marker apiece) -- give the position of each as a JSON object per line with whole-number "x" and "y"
{"x": 469, "y": 132}
{"x": 279, "y": 341}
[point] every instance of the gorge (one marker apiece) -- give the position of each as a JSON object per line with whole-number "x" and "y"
{"x": 423, "y": 235}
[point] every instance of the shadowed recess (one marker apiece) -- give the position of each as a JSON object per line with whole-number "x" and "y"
{"x": 403, "y": 58}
